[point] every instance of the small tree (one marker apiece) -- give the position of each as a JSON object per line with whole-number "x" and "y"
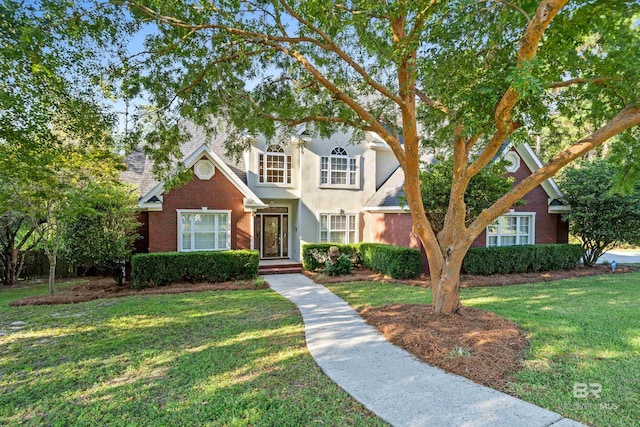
{"x": 103, "y": 236}
{"x": 599, "y": 217}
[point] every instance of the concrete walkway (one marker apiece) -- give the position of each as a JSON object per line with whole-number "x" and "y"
{"x": 391, "y": 382}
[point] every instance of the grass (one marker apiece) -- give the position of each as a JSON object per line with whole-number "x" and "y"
{"x": 583, "y": 331}
{"x": 232, "y": 358}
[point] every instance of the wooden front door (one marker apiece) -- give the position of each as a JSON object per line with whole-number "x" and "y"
{"x": 272, "y": 232}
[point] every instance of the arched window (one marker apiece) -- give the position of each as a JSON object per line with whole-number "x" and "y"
{"x": 275, "y": 165}
{"x": 339, "y": 169}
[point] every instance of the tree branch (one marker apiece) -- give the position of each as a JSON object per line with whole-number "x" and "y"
{"x": 625, "y": 119}
{"x": 547, "y": 10}
{"x": 570, "y": 82}
{"x": 332, "y": 46}
{"x": 432, "y": 102}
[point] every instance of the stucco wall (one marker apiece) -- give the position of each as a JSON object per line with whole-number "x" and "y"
{"x": 216, "y": 193}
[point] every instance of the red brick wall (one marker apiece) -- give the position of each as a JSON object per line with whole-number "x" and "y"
{"x": 141, "y": 245}
{"x": 548, "y": 227}
{"x": 216, "y": 193}
{"x": 395, "y": 229}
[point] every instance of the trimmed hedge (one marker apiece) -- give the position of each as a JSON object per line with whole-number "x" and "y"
{"x": 315, "y": 255}
{"x": 398, "y": 262}
{"x": 162, "y": 268}
{"x": 522, "y": 259}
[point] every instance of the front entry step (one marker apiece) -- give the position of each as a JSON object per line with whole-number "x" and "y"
{"x": 283, "y": 268}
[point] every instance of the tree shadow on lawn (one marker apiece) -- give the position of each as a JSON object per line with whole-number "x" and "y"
{"x": 183, "y": 360}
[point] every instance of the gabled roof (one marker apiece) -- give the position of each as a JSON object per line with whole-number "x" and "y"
{"x": 139, "y": 166}
{"x": 199, "y": 146}
{"x": 387, "y": 198}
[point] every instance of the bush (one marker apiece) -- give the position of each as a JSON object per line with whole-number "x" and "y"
{"x": 162, "y": 268}
{"x": 315, "y": 255}
{"x": 340, "y": 268}
{"x": 398, "y": 262}
{"x": 521, "y": 259}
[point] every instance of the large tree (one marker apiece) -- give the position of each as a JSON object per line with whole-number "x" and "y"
{"x": 461, "y": 75}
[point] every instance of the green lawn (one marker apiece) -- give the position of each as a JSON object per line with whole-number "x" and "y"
{"x": 582, "y": 331}
{"x": 233, "y": 358}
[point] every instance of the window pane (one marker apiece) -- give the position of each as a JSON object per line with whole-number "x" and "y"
{"x": 204, "y": 241}
{"x": 352, "y": 222}
{"x": 524, "y": 225}
{"x": 324, "y": 177}
{"x": 338, "y": 163}
{"x": 222, "y": 222}
{"x": 338, "y": 222}
{"x": 508, "y": 240}
{"x": 261, "y": 166}
{"x": 493, "y": 227}
{"x": 323, "y": 222}
{"x": 288, "y": 169}
{"x": 524, "y": 240}
{"x": 186, "y": 241}
{"x": 338, "y": 237}
{"x": 186, "y": 222}
{"x": 323, "y": 237}
{"x": 509, "y": 225}
{"x": 493, "y": 241}
{"x": 222, "y": 240}
{"x": 204, "y": 222}
{"x": 352, "y": 236}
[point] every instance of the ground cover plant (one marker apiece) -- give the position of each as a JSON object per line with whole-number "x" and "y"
{"x": 224, "y": 358}
{"x": 582, "y": 331}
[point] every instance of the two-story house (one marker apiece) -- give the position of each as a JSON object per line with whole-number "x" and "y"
{"x": 283, "y": 194}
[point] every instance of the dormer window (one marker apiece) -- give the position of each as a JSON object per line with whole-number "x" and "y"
{"x": 275, "y": 166}
{"x": 339, "y": 169}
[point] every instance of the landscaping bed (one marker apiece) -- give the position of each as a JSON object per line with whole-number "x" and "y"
{"x": 472, "y": 281}
{"x": 105, "y": 287}
{"x": 476, "y": 344}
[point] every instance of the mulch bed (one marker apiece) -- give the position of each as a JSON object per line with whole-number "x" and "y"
{"x": 474, "y": 343}
{"x": 470, "y": 280}
{"x": 106, "y": 287}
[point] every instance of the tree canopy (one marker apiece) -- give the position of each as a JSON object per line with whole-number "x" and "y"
{"x": 462, "y": 76}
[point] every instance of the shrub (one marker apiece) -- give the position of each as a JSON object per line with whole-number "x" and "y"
{"x": 315, "y": 255}
{"x": 398, "y": 262}
{"x": 521, "y": 259}
{"x": 162, "y": 268}
{"x": 341, "y": 267}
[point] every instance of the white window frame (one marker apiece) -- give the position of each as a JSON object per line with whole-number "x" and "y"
{"x": 263, "y": 161}
{"x": 180, "y": 212}
{"x": 351, "y": 161}
{"x": 347, "y": 231}
{"x": 532, "y": 229}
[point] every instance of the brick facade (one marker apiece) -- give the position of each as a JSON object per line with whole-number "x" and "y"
{"x": 549, "y": 228}
{"x": 216, "y": 193}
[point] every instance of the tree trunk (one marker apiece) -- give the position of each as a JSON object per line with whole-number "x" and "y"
{"x": 10, "y": 273}
{"x": 446, "y": 285}
{"x": 52, "y": 275}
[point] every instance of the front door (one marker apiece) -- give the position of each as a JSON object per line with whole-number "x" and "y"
{"x": 272, "y": 229}
{"x": 273, "y": 235}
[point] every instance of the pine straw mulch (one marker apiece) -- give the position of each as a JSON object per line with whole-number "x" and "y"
{"x": 476, "y": 344}
{"x": 106, "y": 287}
{"x": 471, "y": 280}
